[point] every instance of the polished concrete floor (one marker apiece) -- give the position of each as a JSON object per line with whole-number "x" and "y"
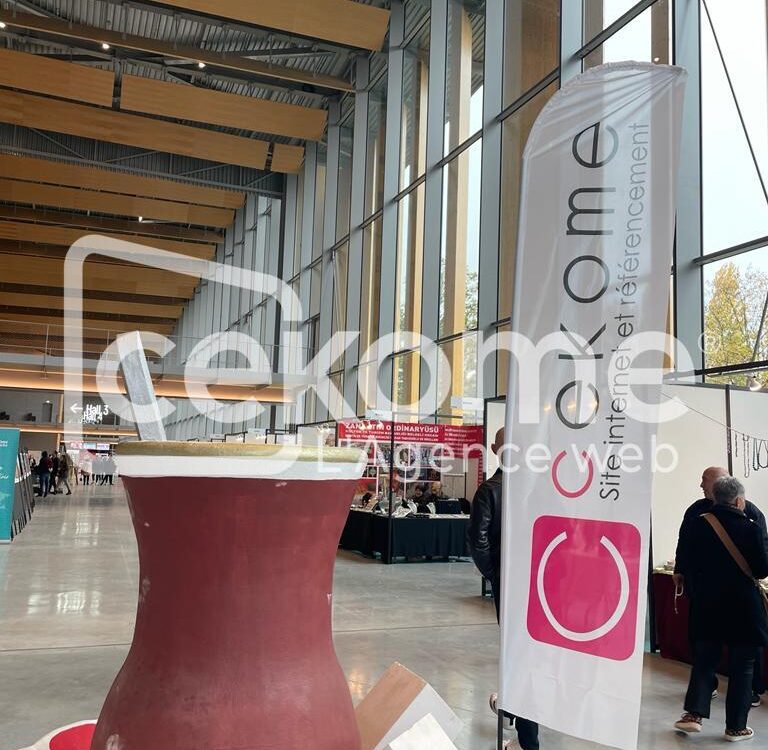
{"x": 67, "y": 599}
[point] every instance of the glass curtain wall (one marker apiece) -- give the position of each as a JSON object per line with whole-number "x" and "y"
{"x": 412, "y": 247}
{"x": 439, "y": 119}
{"x": 253, "y": 243}
{"x": 734, "y": 163}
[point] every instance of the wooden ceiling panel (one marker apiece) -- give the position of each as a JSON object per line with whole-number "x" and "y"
{"x": 74, "y": 175}
{"x": 20, "y": 70}
{"x": 111, "y": 307}
{"x": 339, "y": 21}
{"x": 113, "y": 326}
{"x": 23, "y": 337}
{"x": 100, "y": 225}
{"x": 287, "y": 158}
{"x": 184, "y": 102}
{"x": 103, "y": 277}
{"x": 222, "y": 60}
{"x": 16, "y": 191}
{"x": 53, "y": 235}
{"x": 130, "y": 130}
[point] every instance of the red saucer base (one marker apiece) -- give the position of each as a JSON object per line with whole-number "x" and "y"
{"x": 72, "y": 737}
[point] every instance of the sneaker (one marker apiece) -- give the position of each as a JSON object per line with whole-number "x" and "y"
{"x": 689, "y": 723}
{"x": 739, "y": 735}
{"x": 756, "y": 700}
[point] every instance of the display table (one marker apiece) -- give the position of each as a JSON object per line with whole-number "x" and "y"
{"x": 413, "y": 536}
{"x": 448, "y": 507}
{"x": 671, "y": 627}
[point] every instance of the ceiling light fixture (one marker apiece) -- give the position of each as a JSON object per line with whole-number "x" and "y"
{"x": 3, "y": 24}
{"x": 104, "y": 46}
{"x": 141, "y": 218}
{"x": 754, "y": 384}
{"x": 201, "y": 65}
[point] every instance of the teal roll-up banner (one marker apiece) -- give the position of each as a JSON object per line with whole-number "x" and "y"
{"x": 9, "y": 453}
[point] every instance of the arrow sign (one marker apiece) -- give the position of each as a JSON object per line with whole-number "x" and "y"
{"x": 75, "y": 408}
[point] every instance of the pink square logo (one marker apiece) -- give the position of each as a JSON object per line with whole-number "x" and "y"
{"x": 584, "y": 586}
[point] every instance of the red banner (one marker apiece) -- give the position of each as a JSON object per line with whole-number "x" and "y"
{"x": 456, "y": 436}
{"x": 462, "y": 440}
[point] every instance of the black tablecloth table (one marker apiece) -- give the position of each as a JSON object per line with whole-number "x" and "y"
{"x": 448, "y": 507}
{"x": 413, "y": 536}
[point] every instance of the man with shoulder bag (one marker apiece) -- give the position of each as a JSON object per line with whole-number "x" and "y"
{"x": 728, "y": 554}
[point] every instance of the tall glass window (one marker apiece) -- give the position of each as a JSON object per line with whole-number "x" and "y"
{"x": 735, "y": 310}
{"x": 339, "y": 323}
{"x": 374, "y": 156}
{"x": 532, "y": 44}
{"x": 345, "y": 180}
{"x": 465, "y": 58}
{"x": 370, "y": 291}
{"x": 299, "y": 223}
{"x": 646, "y": 38}
{"x": 734, "y": 176}
{"x": 600, "y": 14}
{"x": 319, "y": 218}
{"x": 460, "y": 242}
{"x": 410, "y": 261}
{"x": 515, "y": 134}
{"x": 414, "y": 123}
{"x": 461, "y": 354}
{"x": 405, "y": 384}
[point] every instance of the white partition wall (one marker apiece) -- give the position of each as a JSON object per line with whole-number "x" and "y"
{"x": 699, "y": 439}
{"x": 749, "y": 415}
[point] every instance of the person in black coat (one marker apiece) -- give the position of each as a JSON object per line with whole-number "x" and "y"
{"x": 484, "y": 538}
{"x": 708, "y": 479}
{"x": 44, "y": 473}
{"x": 727, "y": 608}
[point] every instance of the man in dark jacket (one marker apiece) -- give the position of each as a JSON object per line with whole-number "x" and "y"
{"x": 484, "y": 538}
{"x": 727, "y": 608}
{"x": 55, "y": 464}
{"x": 708, "y": 479}
{"x": 684, "y": 544}
{"x": 44, "y": 473}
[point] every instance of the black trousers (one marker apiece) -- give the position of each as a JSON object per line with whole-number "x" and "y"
{"x": 741, "y": 666}
{"x": 758, "y": 680}
{"x": 527, "y": 731}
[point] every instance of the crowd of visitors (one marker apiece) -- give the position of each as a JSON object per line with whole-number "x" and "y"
{"x": 57, "y": 469}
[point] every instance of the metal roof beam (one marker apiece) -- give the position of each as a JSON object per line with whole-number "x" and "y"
{"x": 222, "y": 60}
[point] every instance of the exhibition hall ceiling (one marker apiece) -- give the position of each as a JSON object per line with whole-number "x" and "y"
{"x": 151, "y": 122}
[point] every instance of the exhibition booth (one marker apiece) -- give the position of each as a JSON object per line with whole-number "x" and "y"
{"x": 414, "y": 498}
{"x": 721, "y": 426}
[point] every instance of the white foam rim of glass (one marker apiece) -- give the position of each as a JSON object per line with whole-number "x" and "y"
{"x": 238, "y": 467}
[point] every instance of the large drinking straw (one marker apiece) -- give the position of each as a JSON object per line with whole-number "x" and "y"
{"x": 138, "y": 384}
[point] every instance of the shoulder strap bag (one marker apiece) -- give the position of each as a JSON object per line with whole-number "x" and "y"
{"x": 735, "y": 553}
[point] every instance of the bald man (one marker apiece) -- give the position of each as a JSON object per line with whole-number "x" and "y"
{"x": 684, "y": 546}
{"x": 708, "y": 479}
{"x": 484, "y": 539}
